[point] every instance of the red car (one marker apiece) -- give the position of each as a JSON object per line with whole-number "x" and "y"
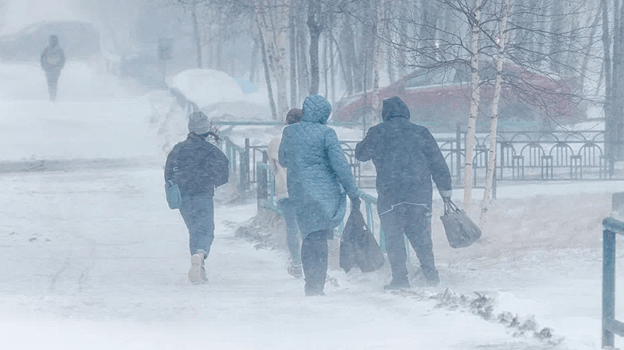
{"x": 439, "y": 98}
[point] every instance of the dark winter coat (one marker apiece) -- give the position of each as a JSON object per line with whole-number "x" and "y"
{"x": 318, "y": 171}
{"x": 53, "y": 59}
{"x": 406, "y": 157}
{"x": 196, "y": 166}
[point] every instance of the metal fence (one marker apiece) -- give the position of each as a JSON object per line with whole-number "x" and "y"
{"x": 266, "y": 199}
{"x": 522, "y": 156}
{"x": 238, "y": 158}
{"x": 610, "y": 326}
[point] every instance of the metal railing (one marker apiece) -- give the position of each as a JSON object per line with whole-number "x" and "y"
{"x": 267, "y": 200}
{"x": 610, "y": 326}
{"x": 369, "y": 201}
{"x": 239, "y": 163}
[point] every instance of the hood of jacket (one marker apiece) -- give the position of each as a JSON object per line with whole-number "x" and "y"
{"x": 394, "y": 107}
{"x": 316, "y": 109}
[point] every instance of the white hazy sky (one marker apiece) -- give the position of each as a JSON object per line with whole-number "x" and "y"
{"x": 20, "y": 13}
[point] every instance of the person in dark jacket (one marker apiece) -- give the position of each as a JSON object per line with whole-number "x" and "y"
{"x": 406, "y": 157}
{"x": 197, "y": 167}
{"x": 318, "y": 177}
{"x": 52, "y": 62}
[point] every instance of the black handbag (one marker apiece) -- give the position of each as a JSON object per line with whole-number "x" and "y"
{"x": 461, "y": 232}
{"x": 358, "y": 246}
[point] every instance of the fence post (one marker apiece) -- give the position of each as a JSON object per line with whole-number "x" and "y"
{"x": 608, "y": 286}
{"x": 243, "y": 170}
{"x": 263, "y": 190}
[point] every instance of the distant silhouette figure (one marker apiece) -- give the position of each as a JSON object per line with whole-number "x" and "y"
{"x": 52, "y": 62}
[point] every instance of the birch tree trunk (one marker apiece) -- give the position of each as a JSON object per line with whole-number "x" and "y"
{"x": 302, "y": 61}
{"x": 587, "y": 55}
{"x": 267, "y": 73}
{"x": 326, "y": 66}
{"x": 474, "y": 104}
{"x": 314, "y": 24}
{"x": 489, "y": 179}
{"x": 617, "y": 106}
{"x": 254, "y": 60}
{"x": 196, "y": 35}
{"x": 348, "y": 56}
{"x": 332, "y": 60}
{"x": 293, "y": 54}
{"x": 606, "y": 44}
{"x": 273, "y": 26}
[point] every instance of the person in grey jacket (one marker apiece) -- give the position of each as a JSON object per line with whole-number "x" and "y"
{"x": 407, "y": 158}
{"x": 198, "y": 167}
{"x": 52, "y": 62}
{"x": 318, "y": 177}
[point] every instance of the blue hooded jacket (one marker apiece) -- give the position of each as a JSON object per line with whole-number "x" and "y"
{"x": 318, "y": 171}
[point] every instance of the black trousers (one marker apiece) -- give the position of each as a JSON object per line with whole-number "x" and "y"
{"x": 314, "y": 254}
{"x": 413, "y": 221}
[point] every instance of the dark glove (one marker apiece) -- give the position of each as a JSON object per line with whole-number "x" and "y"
{"x": 446, "y": 200}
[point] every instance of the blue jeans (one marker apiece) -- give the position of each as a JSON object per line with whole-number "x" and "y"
{"x": 198, "y": 214}
{"x": 292, "y": 231}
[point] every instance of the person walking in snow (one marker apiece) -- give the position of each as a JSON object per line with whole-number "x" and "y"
{"x": 198, "y": 167}
{"x": 406, "y": 157}
{"x": 52, "y": 62}
{"x": 281, "y": 193}
{"x": 317, "y": 173}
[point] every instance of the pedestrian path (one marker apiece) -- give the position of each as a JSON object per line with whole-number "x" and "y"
{"x": 97, "y": 258}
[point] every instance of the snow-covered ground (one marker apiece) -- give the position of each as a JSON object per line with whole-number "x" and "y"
{"x": 94, "y": 259}
{"x": 96, "y": 117}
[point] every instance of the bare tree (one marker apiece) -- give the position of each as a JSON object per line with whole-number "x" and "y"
{"x": 267, "y": 73}
{"x": 315, "y": 26}
{"x": 292, "y": 36}
{"x": 272, "y": 17}
{"x": 196, "y": 34}
{"x": 500, "y": 58}
{"x": 475, "y": 23}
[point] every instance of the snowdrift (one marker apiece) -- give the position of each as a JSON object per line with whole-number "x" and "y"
{"x": 207, "y": 86}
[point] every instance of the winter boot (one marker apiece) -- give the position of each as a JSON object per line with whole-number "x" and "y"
{"x": 295, "y": 270}
{"x": 433, "y": 278}
{"x": 197, "y": 273}
{"x": 313, "y": 291}
{"x": 397, "y": 284}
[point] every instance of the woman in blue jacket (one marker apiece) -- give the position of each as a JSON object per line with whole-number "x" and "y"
{"x": 319, "y": 178}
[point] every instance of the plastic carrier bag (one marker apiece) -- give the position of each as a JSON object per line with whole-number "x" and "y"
{"x": 461, "y": 232}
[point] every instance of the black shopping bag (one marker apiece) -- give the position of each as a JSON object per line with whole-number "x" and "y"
{"x": 461, "y": 232}
{"x": 358, "y": 246}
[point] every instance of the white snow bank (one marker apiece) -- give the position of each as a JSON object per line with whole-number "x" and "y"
{"x": 207, "y": 86}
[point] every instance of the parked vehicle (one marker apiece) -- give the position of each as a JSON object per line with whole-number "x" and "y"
{"x": 439, "y": 98}
{"x": 79, "y": 40}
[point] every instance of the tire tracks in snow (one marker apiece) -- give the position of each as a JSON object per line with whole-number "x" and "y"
{"x": 70, "y": 260}
{"x": 84, "y": 275}
{"x": 61, "y": 270}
